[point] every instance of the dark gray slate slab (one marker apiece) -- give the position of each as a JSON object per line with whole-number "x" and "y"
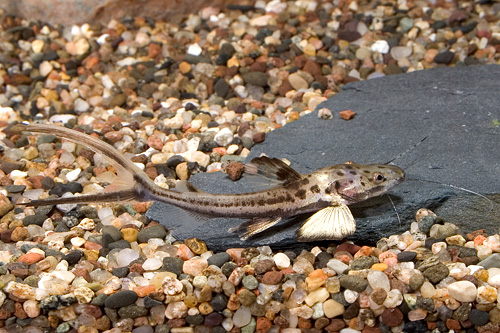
{"x": 456, "y": 108}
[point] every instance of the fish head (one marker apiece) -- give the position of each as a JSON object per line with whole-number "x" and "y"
{"x": 357, "y": 182}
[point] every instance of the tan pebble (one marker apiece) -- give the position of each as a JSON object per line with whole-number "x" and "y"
{"x": 182, "y": 171}
{"x": 91, "y": 254}
{"x": 205, "y": 308}
{"x": 427, "y": 290}
{"x": 31, "y": 308}
{"x": 113, "y": 136}
{"x": 81, "y": 46}
{"x": 19, "y": 234}
{"x": 194, "y": 266}
{"x": 297, "y": 81}
{"x": 37, "y": 45}
{"x": 319, "y": 295}
{"x": 347, "y": 114}
{"x": 423, "y": 212}
{"x": 184, "y": 67}
{"x": 430, "y": 55}
{"x": 332, "y": 308}
{"x": 486, "y": 294}
{"x": 417, "y": 314}
{"x": 196, "y": 245}
{"x": 205, "y": 294}
{"x": 129, "y": 234}
{"x": 379, "y": 267}
{"x": 325, "y": 113}
{"x": 31, "y": 153}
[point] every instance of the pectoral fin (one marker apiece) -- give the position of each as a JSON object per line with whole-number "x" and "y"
{"x": 254, "y": 226}
{"x": 330, "y": 223}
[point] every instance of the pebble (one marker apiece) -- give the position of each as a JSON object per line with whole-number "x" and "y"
{"x": 120, "y": 299}
{"x": 463, "y": 291}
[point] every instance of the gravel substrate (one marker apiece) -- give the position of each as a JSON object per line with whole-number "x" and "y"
{"x": 185, "y": 99}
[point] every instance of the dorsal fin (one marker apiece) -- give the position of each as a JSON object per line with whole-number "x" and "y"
{"x": 273, "y": 170}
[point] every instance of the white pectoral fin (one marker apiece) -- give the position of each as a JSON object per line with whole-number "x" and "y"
{"x": 330, "y": 223}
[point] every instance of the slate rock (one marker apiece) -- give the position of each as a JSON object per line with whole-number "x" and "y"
{"x": 453, "y": 107}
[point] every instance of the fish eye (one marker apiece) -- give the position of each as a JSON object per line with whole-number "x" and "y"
{"x": 378, "y": 177}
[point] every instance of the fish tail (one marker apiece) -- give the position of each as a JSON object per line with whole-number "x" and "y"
{"x": 122, "y": 195}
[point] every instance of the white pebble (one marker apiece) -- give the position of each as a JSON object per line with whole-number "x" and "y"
{"x": 380, "y": 46}
{"x": 126, "y": 256}
{"x": 281, "y": 260}
{"x": 152, "y": 264}
{"x": 393, "y": 299}
{"x": 224, "y": 137}
{"x": 17, "y": 174}
{"x": 45, "y": 68}
{"x": 378, "y": 279}
{"x": 242, "y": 316}
{"x": 350, "y": 296}
{"x": 194, "y": 49}
{"x": 73, "y": 175}
{"x": 81, "y": 105}
{"x": 338, "y": 266}
{"x": 463, "y": 291}
{"x": 401, "y": 52}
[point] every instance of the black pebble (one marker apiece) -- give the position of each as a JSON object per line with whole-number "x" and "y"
{"x": 120, "y": 299}
{"x": 172, "y": 264}
{"x": 72, "y": 187}
{"x": 34, "y": 219}
{"x": 121, "y": 244}
{"x": 445, "y": 57}
{"x": 173, "y": 161}
{"x": 219, "y": 259}
{"x": 120, "y": 272}
{"x": 219, "y": 302}
{"x": 194, "y": 320}
{"x": 48, "y": 183}
{"x": 15, "y": 188}
{"x": 406, "y": 256}
{"x": 73, "y": 257}
{"x": 150, "y": 302}
{"x": 415, "y": 326}
{"x": 478, "y": 317}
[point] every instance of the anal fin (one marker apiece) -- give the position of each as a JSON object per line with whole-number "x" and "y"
{"x": 330, "y": 223}
{"x": 254, "y": 226}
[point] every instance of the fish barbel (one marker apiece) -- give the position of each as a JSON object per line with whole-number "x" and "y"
{"x": 327, "y": 191}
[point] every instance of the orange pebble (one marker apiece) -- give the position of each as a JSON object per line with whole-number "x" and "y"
{"x": 364, "y": 251}
{"x": 318, "y": 273}
{"x": 479, "y": 240}
{"x": 184, "y": 252}
{"x": 143, "y": 291}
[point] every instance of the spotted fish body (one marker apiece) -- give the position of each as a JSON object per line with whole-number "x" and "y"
{"x": 327, "y": 191}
